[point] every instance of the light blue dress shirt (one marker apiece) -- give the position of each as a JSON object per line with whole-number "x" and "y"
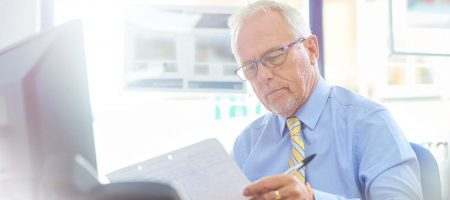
{"x": 361, "y": 152}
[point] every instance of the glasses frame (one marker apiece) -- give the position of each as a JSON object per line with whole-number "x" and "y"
{"x": 240, "y": 71}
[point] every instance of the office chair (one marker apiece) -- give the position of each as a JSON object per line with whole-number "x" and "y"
{"x": 429, "y": 173}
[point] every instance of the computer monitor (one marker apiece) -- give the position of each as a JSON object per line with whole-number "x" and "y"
{"x": 44, "y": 108}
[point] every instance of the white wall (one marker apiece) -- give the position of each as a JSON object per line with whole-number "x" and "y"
{"x": 18, "y": 19}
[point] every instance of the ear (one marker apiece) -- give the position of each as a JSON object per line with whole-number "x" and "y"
{"x": 312, "y": 45}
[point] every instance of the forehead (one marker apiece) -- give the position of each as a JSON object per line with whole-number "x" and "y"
{"x": 261, "y": 33}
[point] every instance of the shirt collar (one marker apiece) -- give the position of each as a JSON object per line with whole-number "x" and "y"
{"x": 310, "y": 112}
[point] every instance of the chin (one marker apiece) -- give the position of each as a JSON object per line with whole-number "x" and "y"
{"x": 282, "y": 114}
{"x": 284, "y": 110}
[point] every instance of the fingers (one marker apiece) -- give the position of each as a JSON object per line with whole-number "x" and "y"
{"x": 288, "y": 187}
{"x": 270, "y": 183}
{"x": 285, "y": 193}
{"x": 310, "y": 191}
{"x": 271, "y": 195}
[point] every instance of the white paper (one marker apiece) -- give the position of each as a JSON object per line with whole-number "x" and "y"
{"x": 202, "y": 171}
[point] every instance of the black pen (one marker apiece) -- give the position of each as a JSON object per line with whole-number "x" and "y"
{"x": 302, "y": 164}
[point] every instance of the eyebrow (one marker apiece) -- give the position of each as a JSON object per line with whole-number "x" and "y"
{"x": 262, "y": 55}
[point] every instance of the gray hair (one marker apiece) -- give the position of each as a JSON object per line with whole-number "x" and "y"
{"x": 293, "y": 17}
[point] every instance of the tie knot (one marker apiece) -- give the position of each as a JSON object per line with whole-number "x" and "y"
{"x": 293, "y": 123}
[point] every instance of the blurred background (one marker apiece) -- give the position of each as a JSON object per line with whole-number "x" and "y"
{"x": 161, "y": 73}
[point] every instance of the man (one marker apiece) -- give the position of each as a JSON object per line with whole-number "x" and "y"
{"x": 360, "y": 151}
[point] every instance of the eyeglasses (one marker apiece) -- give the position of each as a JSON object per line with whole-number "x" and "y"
{"x": 270, "y": 59}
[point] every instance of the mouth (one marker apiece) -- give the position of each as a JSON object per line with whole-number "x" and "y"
{"x": 274, "y": 91}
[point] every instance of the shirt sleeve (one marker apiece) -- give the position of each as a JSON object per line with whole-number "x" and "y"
{"x": 387, "y": 165}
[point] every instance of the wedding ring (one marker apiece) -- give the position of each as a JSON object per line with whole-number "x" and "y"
{"x": 277, "y": 195}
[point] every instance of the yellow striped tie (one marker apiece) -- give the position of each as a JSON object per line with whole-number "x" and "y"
{"x": 298, "y": 147}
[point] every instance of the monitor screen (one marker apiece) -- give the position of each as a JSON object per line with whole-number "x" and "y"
{"x": 44, "y": 108}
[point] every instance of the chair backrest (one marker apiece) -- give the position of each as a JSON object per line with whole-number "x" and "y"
{"x": 429, "y": 173}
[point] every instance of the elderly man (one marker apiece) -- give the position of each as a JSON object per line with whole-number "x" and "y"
{"x": 361, "y": 152}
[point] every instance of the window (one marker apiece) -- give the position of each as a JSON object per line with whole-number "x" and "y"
{"x": 406, "y": 70}
{"x": 150, "y": 78}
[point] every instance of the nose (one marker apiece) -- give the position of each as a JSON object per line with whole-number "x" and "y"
{"x": 264, "y": 73}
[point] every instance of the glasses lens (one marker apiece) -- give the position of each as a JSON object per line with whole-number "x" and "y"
{"x": 275, "y": 58}
{"x": 247, "y": 71}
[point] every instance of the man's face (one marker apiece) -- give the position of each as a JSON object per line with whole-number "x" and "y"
{"x": 284, "y": 89}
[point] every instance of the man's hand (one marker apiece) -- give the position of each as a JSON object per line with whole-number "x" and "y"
{"x": 287, "y": 186}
